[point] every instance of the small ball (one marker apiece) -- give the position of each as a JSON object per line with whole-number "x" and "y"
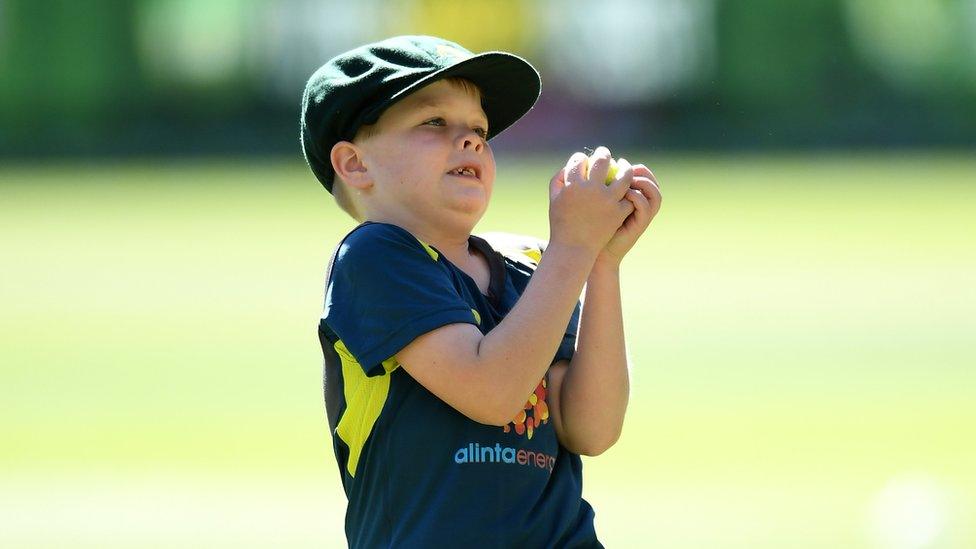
{"x": 612, "y": 172}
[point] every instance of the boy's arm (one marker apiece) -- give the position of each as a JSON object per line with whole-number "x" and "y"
{"x": 588, "y": 396}
{"x": 488, "y": 377}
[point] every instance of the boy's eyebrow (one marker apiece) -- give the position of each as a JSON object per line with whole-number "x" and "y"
{"x": 429, "y": 104}
{"x": 434, "y": 104}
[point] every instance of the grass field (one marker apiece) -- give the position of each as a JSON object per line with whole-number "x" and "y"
{"x": 801, "y": 330}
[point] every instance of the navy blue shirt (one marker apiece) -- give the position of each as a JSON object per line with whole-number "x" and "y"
{"x": 417, "y": 472}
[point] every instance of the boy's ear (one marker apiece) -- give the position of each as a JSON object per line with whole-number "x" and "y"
{"x": 347, "y": 161}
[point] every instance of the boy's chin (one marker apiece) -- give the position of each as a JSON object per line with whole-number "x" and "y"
{"x": 469, "y": 200}
{"x": 467, "y": 211}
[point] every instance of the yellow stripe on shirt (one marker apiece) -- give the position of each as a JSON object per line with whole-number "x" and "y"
{"x": 365, "y": 397}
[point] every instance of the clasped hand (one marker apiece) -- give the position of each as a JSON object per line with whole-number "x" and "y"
{"x": 605, "y": 214}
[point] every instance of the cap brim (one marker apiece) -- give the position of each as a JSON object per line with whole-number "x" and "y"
{"x": 509, "y": 86}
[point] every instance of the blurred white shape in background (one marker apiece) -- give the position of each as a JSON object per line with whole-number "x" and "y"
{"x": 628, "y": 51}
{"x": 910, "y": 512}
{"x": 296, "y": 37}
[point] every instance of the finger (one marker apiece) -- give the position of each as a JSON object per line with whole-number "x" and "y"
{"x": 646, "y": 185}
{"x": 650, "y": 192}
{"x": 649, "y": 180}
{"x": 599, "y": 164}
{"x": 625, "y": 175}
{"x": 557, "y": 183}
{"x": 624, "y": 208}
{"x": 644, "y": 171}
{"x": 576, "y": 168}
{"x": 642, "y": 207}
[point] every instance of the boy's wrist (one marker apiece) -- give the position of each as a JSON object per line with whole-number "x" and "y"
{"x": 583, "y": 252}
{"x": 606, "y": 263}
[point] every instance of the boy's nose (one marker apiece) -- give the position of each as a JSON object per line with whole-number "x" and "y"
{"x": 471, "y": 140}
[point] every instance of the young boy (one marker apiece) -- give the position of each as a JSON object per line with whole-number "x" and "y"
{"x": 462, "y": 382}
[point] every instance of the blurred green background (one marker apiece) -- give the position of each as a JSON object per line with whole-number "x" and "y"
{"x": 799, "y": 317}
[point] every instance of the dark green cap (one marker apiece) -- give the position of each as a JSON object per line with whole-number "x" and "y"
{"x": 354, "y": 88}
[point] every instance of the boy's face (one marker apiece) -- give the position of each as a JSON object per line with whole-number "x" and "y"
{"x": 428, "y": 157}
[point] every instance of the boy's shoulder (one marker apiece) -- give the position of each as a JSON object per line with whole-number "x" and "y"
{"x": 373, "y": 244}
{"x": 380, "y": 240}
{"x": 372, "y": 248}
{"x": 372, "y": 232}
{"x": 376, "y": 236}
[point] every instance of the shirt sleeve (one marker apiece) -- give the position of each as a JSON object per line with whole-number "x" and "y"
{"x": 384, "y": 290}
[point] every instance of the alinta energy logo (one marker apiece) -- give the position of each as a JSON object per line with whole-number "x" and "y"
{"x": 533, "y": 414}
{"x": 476, "y": 453}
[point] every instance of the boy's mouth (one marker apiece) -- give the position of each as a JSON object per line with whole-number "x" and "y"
{"x": 467, "y": 171}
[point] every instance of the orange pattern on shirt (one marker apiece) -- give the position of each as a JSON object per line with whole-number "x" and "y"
{"x": 533, "y": 414}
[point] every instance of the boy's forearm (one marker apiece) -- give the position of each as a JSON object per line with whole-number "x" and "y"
{"x": 596, "y": 388}
{"x": 520, "y": 349}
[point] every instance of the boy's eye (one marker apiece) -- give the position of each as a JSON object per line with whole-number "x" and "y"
{"x": 482, "y": 132}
